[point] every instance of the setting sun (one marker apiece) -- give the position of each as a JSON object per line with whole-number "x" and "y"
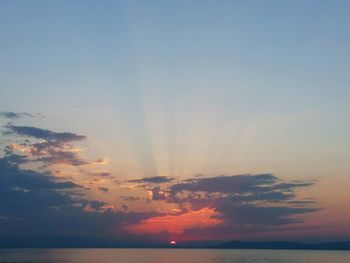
{"x": 172, "y": 242}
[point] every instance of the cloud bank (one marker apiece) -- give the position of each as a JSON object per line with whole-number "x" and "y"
{"x": 240, "y": 203}
{"x": 36, "y": 202}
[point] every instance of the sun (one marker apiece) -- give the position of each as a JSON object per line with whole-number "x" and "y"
{"x": 173, "y": 242}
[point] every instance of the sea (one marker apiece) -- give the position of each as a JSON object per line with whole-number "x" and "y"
{"x": 171, "y": 256}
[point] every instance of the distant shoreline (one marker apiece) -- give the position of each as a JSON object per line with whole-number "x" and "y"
{"x": 81, "y": 242}
{"x": 284, "y": 245}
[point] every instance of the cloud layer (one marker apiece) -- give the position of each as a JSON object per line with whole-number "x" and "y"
{"x": 36, "y": 202}
{"x": 38, "y": 133}
{"x": 153, "y": 180}
{"x": 241, "y": 203}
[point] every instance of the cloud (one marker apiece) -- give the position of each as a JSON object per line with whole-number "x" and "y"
{"x": 101, "y": 161}
{"x": 125, "y": 207}
{"x": 249, "y": 214}
{"x": 177, "y": 224}
{"x": 52, "y": 147}
{"x": 153, "y": 180}
{"x": 261, "y": 199}
{"x": 15, "y": 115}
{"x": 129, "y": 198}
{"x": 37, "y": 203}
{"x": 38, "y": 133}
{"x": 238, "y": 184}
{"x": 13, "y": 158}
{"x": 26, "y": 192}
{"x": 103, "y": 189}
{"x": 238, "y": 203}
{"x": 95, "y": 173}
{"x": 157, "y": 194}
{"x": 57, "y": 156}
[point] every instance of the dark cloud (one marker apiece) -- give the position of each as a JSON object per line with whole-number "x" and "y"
{"x": 53, "y": 147}
{"x": 243, "y": 205}
{"x": 250, "y": 214}
{"x": 44, "y": 134}
{"x": 129, "y": 198}
{"x": 302, "y": 202}
{"x": 153, "y": 180}
{"x": 157, "y": 194}
{"x": 93, "y": 204}
{"x": 95, "y": 173}
{"x": 229, "y": 184}
{"x": 15, "y": 158}
{"x": 103, "y": 189}
{"x": 25, "y": 192}
{"x": 36, "y": 203}
{"x": 101, "y": 160}
{"x": 261, "y": 199}
{"x": 15, "y": 115}
{"x": 57, "y": 156}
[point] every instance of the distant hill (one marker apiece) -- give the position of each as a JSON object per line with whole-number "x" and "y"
{"x": 344, "y": 245}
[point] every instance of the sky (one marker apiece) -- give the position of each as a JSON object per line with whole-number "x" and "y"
{"x": 152, "y": 121}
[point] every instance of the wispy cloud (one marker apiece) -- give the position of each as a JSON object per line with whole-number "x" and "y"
{"x": 153, "y": 180}
{"x": 95, "y": 173}
{"x": 15, "y": 115}
{"x": 38, "y": 133}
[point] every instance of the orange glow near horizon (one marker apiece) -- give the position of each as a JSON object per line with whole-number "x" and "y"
{"x": 177, "y": 224}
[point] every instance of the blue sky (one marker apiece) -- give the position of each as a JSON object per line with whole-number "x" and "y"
{"x": 169, "y": 64}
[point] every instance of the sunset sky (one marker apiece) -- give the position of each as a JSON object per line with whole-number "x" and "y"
{"x": 152, "y": 121}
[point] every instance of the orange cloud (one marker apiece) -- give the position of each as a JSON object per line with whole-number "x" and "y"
{"x": 177, "y": 224}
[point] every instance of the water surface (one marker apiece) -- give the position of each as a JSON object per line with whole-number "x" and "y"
{"x": 170, "y": 256}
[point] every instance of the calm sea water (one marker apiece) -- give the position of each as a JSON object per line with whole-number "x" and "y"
{"x": 170, "y": 256}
